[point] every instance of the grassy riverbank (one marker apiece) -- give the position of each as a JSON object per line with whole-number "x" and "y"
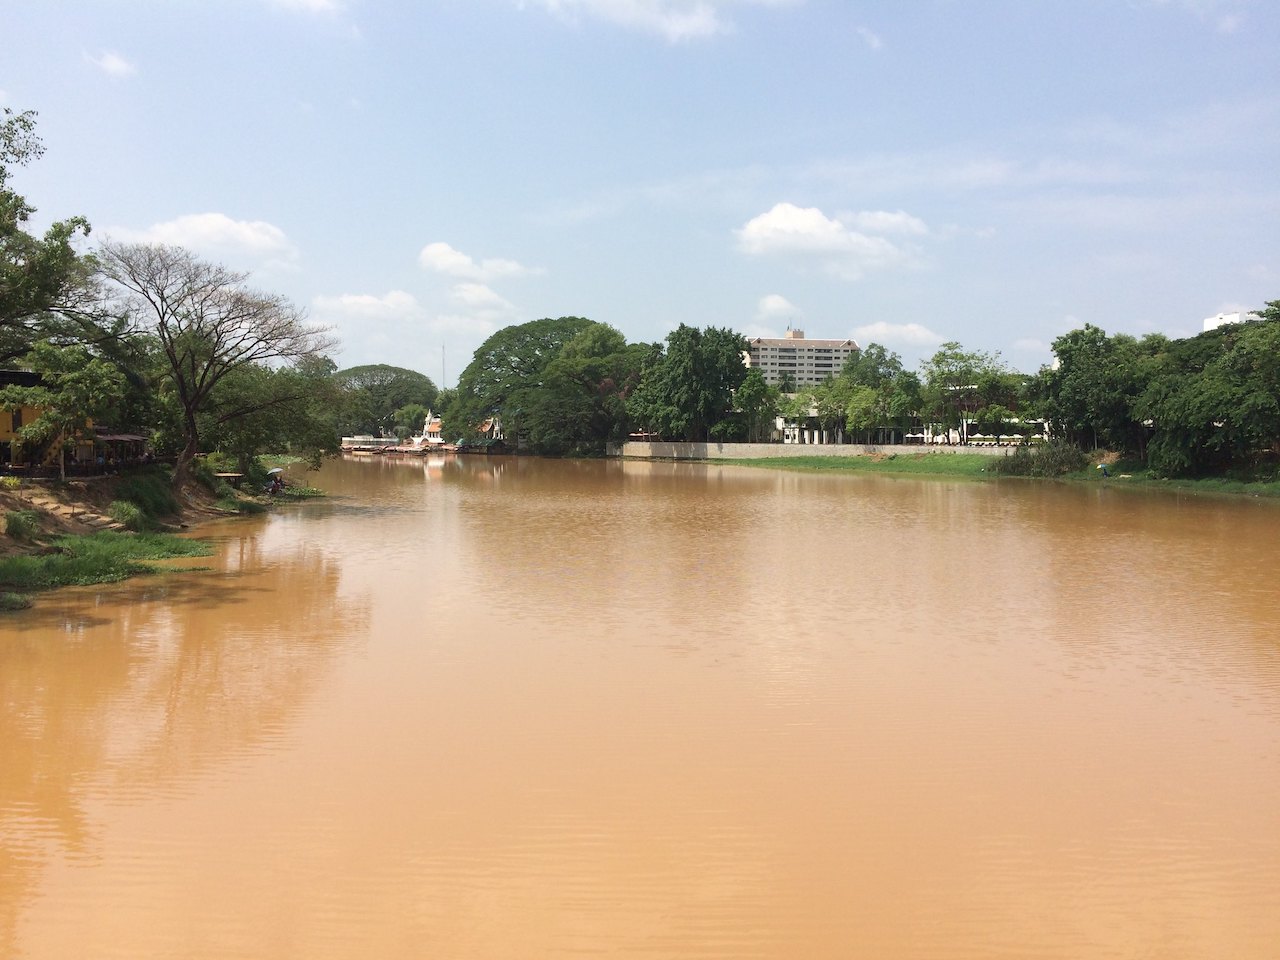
{"x": 55, "y": 533}
{"x": 972, "y": 465}
{"x": 978, "y": 467}
{"x": 103, "y": 557}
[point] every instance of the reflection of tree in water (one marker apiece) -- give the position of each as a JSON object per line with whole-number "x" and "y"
{"x": 149, "y": 685}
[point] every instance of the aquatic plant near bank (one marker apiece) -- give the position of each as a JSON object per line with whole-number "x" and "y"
{"x": 103, "y": 557}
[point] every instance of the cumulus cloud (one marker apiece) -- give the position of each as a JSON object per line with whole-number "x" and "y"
{"x": 774, "y": 307}
{"x": 112, "y": 64}
{"x": 479, "y": 297}
{"x": 843, "y": 248}
{"x": 676, "y": 20}
{"x": 394, "y": 306}
{"x": 218, "y": 236}
{"x": 898, "y": 334}
{"x": 442, "y": 258}
{"x": 885, "y": 221}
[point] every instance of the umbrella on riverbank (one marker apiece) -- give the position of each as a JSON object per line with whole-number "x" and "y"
{"x": 275, "y": 470}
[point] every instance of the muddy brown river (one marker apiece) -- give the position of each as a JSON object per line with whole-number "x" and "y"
{"x": 489, "y": 708}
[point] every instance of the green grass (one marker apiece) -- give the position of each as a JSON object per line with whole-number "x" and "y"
{"x": 978, "y": 466}
{"x": 148, "y": 489}
{"x": 102, "y": 557}
{"x": 128, "y": 514}
{"x": 932, "y": 464}
{"x": 22, "y": 524}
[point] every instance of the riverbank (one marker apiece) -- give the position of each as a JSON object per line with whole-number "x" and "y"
{"x": 104, "y": 529}
{"x": 970, "y": 466}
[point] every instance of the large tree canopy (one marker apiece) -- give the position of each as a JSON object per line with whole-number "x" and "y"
{"x": 208, "y": 324}
{"x": 375, "y": 392}
{"x": 687, "y": 388}
{"x": 956, "y": 384}
{"x": 40, "y": 277}
{"x": 581, "y": 402}
{"x": 1089, "y": 396}
{"x": 506, "y": 366}
{"x": 1213, "y": 400}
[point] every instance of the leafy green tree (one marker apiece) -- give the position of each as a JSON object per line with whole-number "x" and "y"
{"x": 39, "y": 276}
{"x": 952, "y": 392}
{"x": 208, "y": 324}
{"x": 687, "y": 388}
{"x": 878, "y": 395}
{"x": 1090, "y": 397}
{"x": 409, "y": 419}
{"x": 258, "y": 409}
{"x": 76, "y": 387}
{"x": 580, "y": 403}
{"x": 758, "y": 403}
{"x": 505, "y": 369}
{"x": 373, "y": 393}
{"x": 1214, "y": 400}
{"x": 864, "y": 410}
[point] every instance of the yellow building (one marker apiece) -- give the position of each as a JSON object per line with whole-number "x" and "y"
{"x": 15, "y": 453}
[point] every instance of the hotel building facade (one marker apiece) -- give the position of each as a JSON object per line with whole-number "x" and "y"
{"x": 807, "y": 361}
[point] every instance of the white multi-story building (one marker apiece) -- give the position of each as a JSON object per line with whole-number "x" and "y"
{"x": 807, "y": 361}
{"x": 1213, "y": 323}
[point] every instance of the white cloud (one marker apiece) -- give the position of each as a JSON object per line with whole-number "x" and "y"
{"x": 396, "y": 306}
{"x": 463, "y": 324}
{"x": 885, "y": 221}
{"x": 477, "y": 296}
{"x": 676, "y": 20}
{"x": 112, "y": 64}
{"x": 788, "y": 230}
{"x": 899, "y": 334}
{"x": 443, "y": 258}
{"x": 1030, "y": 345}
{"x": 871, "y": 38}
{"x": 218, "y": 236}
{"x": 776, "y": 307}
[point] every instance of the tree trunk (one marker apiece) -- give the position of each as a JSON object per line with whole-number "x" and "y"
{"x": 187, "y": 456}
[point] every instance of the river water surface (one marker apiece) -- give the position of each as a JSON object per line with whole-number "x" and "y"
{"x": 489, "y": 708}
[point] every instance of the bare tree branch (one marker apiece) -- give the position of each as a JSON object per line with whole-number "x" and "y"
{"x": 207, "y": 320}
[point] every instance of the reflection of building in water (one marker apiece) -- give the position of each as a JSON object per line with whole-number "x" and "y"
{"x": 806, "y": 361}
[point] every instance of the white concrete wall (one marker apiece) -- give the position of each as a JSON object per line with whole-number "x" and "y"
{"x": 667, "y": 450}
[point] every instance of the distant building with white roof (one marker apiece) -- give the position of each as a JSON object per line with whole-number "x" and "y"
{"x": 1213, "y": 323}
{"x": 807, "y": 361}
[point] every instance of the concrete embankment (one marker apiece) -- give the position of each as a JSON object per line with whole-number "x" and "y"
{"x": 668, "y": 450}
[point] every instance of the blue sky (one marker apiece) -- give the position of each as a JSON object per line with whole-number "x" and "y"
{"x": 420, "y": 174}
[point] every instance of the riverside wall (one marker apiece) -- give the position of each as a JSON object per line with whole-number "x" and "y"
{"x": 668, "y": 450}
